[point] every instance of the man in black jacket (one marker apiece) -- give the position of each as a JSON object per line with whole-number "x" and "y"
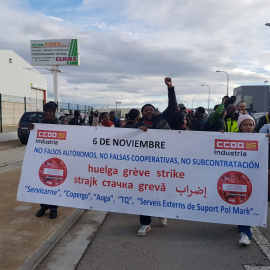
{"x": 200, "y": 119}
{"x": 77, "y": 119}
{"x": 151, "y": 120}
{"x": 160, "y": 121}
{"x": 178, "y": 119}
{"x": 48, "y": 118}
{"x": 262, "y": 121}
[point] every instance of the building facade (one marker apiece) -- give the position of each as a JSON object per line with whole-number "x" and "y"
{"x": 22, "y": 87}
{"x": 256, "y": 97}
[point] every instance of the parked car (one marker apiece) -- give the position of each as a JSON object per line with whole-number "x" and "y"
{"x": 28, "y": 118}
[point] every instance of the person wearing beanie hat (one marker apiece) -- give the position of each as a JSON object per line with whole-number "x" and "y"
{"x": 150, "y": 120}
{"x": 50, "y": 106}
{"x": 49, "y": 113}
{"x": 48, "y": 118}
{"x": 146, "y": 106}
{"x": 246, "y": 123}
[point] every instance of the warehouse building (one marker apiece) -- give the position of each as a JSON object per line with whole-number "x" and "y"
{"x": 256, "y": 97}
{"x": 22, "y": 87}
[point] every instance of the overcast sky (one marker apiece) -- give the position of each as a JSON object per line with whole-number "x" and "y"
{"x": 127, "y": 47}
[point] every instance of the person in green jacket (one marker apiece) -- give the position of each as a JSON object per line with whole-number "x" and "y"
{"x": 215, "y": 120}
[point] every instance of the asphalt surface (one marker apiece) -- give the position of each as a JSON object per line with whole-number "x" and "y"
{"x": 181, "y": 245}
{"x": 81, "y": 239}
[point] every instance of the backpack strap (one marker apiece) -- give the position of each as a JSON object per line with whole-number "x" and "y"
{"x": 267, "y": 118}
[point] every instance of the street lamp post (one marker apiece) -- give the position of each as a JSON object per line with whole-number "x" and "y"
{"x": 117, "y": 102}
{"x": 208, "y": 95}
{"x": 227, "y": 79}
{"x": 265, "y": 109}
{"x": 187, "y": 99}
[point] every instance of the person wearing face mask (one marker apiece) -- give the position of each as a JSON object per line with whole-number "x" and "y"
{"x": 150, "y": 120}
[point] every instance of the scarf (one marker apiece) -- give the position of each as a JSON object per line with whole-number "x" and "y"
{"x": 148, "y": 123}
{"x": 107, "y": 123}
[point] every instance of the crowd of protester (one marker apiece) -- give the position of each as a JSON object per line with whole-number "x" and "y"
{"x": 226, "y": 117}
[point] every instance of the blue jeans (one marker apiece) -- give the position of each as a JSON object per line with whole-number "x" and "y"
{"x": 246, "y": 230}
{"x": 48, "y": 206}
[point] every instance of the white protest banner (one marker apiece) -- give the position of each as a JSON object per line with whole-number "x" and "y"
{"x": 200, "y": 176}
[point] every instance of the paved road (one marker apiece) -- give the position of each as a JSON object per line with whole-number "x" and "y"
{"x": 181, "y": 245}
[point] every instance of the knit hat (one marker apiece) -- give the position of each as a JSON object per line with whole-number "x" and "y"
{"x": 242, "y": 118}
{"x": 50, "y": 106}
{"x": 147, "y": 105}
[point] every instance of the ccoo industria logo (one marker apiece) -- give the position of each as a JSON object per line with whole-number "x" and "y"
{"x": 50, "y": 136}
{"x": 234, "y": 147}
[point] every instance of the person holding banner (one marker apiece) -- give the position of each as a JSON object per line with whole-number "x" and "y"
{"x": 150, "y": 120}
{"x": 48, "y": 118}
{"x": 266, "y": 129}
{"x": 246, "y": 124}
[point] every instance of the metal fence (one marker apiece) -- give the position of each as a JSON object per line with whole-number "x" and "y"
{"x": 13, "y": 107}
